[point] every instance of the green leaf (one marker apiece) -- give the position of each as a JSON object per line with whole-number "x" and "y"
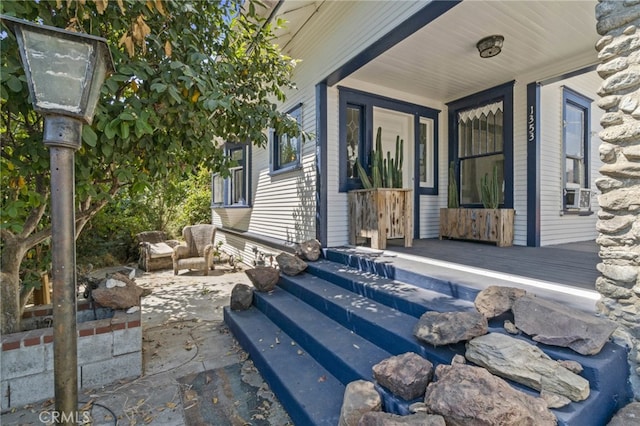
{"x": 89, "y": 136}
{"x": 110, "y": 131}
{"x": 158, "y": 87}
{"x": 107, "y": 150}
{"x": 124, "y": 130}
{"x": 126, "y": 116}
{"x": 14, "y": 84}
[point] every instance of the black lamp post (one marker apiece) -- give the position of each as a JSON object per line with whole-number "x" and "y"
{"x": 65, "y": 71}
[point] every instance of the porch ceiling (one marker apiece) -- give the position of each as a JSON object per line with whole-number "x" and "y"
{"x": 441, "y": 61}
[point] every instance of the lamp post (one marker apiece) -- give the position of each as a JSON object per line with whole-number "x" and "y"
{"x": 65, "y": 71}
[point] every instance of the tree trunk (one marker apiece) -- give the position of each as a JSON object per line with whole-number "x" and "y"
{"x": 12, "y": 254}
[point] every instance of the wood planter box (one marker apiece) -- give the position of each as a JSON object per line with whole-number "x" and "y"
{"x": 492, "y": 225}
{"x": 381, "y": 214}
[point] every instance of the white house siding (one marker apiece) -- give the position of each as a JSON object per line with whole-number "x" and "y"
{"x": 557, "y": 228}
{"x": 333, "y": 36}
{"x": 283, "y": 205}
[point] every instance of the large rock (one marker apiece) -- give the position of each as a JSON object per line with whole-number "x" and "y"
{"x": 241, "y": 297}
{"x": 496, "y": 300}
{"x": 524, "y": 363}
{"x": 310, "y": 250}
{"x": 405, "y": 375}
{"x": 290, "y": 264}
{"x": 378, "y": 418}
{"x": 443, "y": 328}
{"x": 360, "y": 397}
{"x": 468, "y": 395}
{"x": 121, "y": 293}
{"x": 629, "y": 415}
{"x": 263, "y": 278}
{"x": 556, "y": 324}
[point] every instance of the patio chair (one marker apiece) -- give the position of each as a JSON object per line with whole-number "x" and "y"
{"x": 155, "y": 250}
{"x": 196, "y": 253}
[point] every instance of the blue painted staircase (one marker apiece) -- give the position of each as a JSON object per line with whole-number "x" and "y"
{"x": 320, "y": 330}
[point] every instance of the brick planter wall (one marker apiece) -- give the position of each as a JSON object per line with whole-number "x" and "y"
{"x": 109, "y": 349}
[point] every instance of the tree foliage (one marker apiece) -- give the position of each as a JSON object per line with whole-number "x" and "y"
{"x": 189, "y": 74}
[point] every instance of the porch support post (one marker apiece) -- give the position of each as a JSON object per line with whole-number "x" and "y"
{"x": 321, "y": 164}
{"x": 533, "y": 165}
{"x": 619, "y": 218}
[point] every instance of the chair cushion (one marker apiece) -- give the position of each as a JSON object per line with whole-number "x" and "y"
{"x": 160, "y": 250}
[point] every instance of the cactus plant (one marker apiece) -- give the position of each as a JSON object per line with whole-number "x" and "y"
{"x": 452, "y": 200}
{"x": 385, "y": 172}
{"x": 490, "y": 190}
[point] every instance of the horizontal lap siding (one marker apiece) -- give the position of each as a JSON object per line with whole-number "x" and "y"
{"x": 283, "y": 206}
{"x": 555, "y": 227}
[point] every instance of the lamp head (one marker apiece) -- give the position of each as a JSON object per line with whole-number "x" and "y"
{"x": 64, "y": 70}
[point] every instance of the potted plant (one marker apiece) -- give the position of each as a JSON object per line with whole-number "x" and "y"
{"x": 382, "y": 209}
{"x": 491, "y": 223}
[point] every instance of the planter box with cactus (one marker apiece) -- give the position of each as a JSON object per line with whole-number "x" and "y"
{"x": 490, "y": 224}
{"x": 383, "y": 209}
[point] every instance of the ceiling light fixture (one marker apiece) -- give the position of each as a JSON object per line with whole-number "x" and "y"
{"x": 490, "y": 46}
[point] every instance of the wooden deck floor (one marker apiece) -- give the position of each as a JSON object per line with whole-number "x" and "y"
{"x": 571, "y": 264}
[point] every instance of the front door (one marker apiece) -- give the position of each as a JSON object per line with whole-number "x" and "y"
{"x": 394, "y": 124}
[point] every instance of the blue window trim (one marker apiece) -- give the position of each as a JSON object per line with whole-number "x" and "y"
{"x": 276, "y": 168}
{"x": 503, "y": 92}
{"x": 367, "y": 101}
{"x": 226, "y": 183}
{"x": 570, "y": 96}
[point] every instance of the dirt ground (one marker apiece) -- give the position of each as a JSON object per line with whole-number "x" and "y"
{"x": 194, "y": 371}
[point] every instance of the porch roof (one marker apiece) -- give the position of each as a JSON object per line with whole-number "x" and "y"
{"x": 441, "y": 61}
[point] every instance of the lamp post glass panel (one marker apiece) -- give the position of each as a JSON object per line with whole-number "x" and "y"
{"x": 65, "y": 72}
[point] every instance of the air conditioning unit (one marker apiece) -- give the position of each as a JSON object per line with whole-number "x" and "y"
{"x": 577, "y": 198}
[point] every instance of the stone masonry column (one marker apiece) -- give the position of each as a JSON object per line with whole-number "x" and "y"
{"x": 619, "y": 218}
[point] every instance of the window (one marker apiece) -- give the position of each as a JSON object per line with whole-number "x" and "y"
{"x": 355, "y": 138}
{"x": 232, "y": 191}
{"x": 287, "y": 149}
{"x": 481, "y": 140}
{"x": 480, "y": 144}
{"x": 357, "y": 135}
{"x": 426, "y": 152}
{"x": 576, "y": 132}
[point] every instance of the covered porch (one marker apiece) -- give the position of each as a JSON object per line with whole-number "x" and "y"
{"x": 565, "y": 272}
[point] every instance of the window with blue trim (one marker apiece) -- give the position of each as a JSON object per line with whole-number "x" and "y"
{"x": 356, "y": 138}
{"x": 481, "y": 140}
{"x": 286, "y": 149}
{"x": 576, "y": 110}
{"x": 232, "y": 191}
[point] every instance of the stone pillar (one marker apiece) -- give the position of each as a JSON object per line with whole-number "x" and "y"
{"x": 619, "y": 218}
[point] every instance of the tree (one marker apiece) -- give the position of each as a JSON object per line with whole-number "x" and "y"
{"x": 189, "y": 74}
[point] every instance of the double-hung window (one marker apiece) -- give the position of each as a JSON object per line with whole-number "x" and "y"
{"x": 481, "y": 142}
{"x": 233, "y": 190}
{"x": 286, "y": 149}
{"x": 576, "y": 133}
{"x": 480, "y": 150}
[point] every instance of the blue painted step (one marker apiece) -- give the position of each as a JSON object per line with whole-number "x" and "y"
{"x": 386, "y": 327}
{"x": 410, "y": 299}
{"x": 344, "y": 354}
{"x": 309, "y": 393}
{"x": 383, "y": 311}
